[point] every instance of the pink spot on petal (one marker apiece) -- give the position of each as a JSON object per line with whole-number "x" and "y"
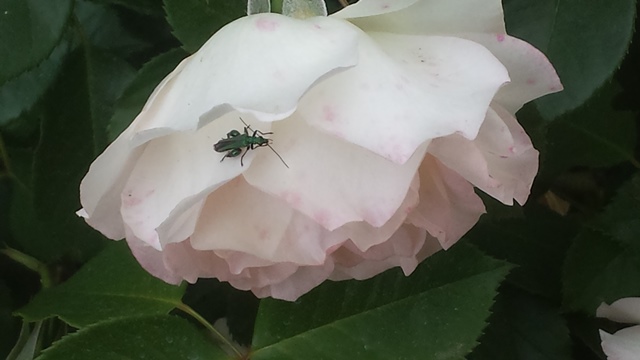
{"x": 500, "y": 37}
{"x": 385, "y": 6}
{"x": 263, "y": 234}
{"x": 264, "y": 24}
{"x": 322, "y": 217}
{"x": 328, "y": 113}
{"x": 131, "y": 201}
{"x": 531, "y": 81}
{"x": 292, "y": 198}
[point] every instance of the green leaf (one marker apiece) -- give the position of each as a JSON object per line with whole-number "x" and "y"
{"x": 73, "y": 131}
{"x": 21, "y": 93}
{"x": 536, "y": 243}
{"x": 157, "y": 338}
{"x": 585, "y": 43}
{"x": 9, "y": 325}
{"x": 621, "y": 218}
{"x": 103, "y": 28}
{"x": 136, "y": 94}
{"x": 110, "y": 285}
{"x": 147, "y": 7}
{"x": 436, "y": 313}
{"x": 594, "y": 135}
{"x": 29, "y": 30}
{"x": 28, "y": 345}
{"x": 598, "y": 269}
{"x": 194, "y": 21}
{"x": 523, "y": 327}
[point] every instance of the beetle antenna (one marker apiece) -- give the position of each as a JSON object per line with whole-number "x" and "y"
{"x": 275, "y": 152}
{"x": 245, "y": 124}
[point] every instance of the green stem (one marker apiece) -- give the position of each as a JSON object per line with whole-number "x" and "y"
{"x": 32, "y": 264}
{"x": 4, "y": 156}
{"x": 276, "y": 6}
{"x": 188, "y": 310}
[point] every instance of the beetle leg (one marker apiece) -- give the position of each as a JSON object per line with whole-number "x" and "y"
{"x": 242, "y": 157}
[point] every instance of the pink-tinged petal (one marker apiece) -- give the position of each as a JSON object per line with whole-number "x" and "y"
{"x": 365, "y": 8}
{"x": 152, "y": 260}
{"x": 531, "y": 73}
{"x": 176, "y": 172}
{"x": 331, "y": 181}
{"x": 363, "y": 235}
{"x": 501, "y": 161}
{"x": 448, "y": 206}
{"x": 445, "y": 17}
{"x": 623, "y": 345}
{"x": 240, "y": 219}
{"x": 625, "y": 310}
{"x": 300, "y": 282}
{"x": 402, "y": 250}
{"x": 241, "y": 66}
{"x": 101, "y": 187}
{"x": 405, "y": 91}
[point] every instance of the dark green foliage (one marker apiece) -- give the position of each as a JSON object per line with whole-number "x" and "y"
{"x": 523, "y": 284}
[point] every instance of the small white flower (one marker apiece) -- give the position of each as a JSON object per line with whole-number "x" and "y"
{"x": 623, "y": 344}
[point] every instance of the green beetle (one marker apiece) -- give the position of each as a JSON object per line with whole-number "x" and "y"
{"x": 236, "y": 143}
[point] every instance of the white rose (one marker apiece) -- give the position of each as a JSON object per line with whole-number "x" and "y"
{"x": 387, "y": 115}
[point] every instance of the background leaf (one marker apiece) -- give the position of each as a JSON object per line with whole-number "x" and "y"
{"x": 110, "y": 285}
{"x": 594, "y": 135}
{"x": 585, "y": 43}
{"x": 103, "y": 28}
{"x": 157, "y": 338}
{"x": 72, "y": 133}
{"x": 194, "y": 21}
{"x": 598, "y": 269}
{"x": 522, "y": 326}
{"x": 621, "y": 218}
{"x": 437, "y": 312}
{"x": 32, "y": 27}
{"x": 537, "y": 243}
{"x": 148, "y": 7}
{"x": 22, "y": 92}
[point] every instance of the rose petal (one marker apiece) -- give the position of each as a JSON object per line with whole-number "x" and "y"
{"x": 363, "y": 235}
{"x": 151, "y": 259}
{"x": 302, "y": 281}
{"x": 178, "y": 169}
{"x": 241, "y": 65}
{"x": 244, "y": 220}
{"x": 501, "y": 161}
{"x": 330, "y": 180}
{"x": 623, "y": 345}
{"x": 101, "y": 187}
{"x": 446, "y": 17}
{"x": 448, "y": 206}
{"x": 531, "y": 73}
{"x": 372, "y": 7}
{"x": 399, "y": 250}
{"x": 405, "y": 91}
{"x": 625, "y": 310}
